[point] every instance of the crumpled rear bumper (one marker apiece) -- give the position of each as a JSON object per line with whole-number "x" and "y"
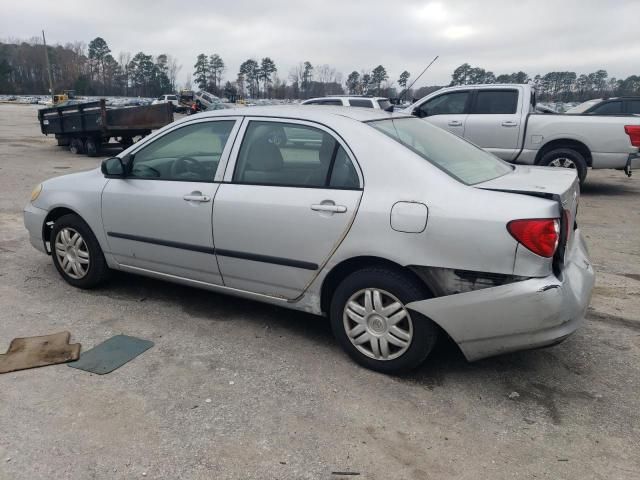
{"x": 521, "y": 315}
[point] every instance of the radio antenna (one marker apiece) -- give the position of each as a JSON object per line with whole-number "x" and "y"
{"x": 417, "y": 78}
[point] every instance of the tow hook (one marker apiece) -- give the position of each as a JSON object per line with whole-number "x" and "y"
{"x": 627, "y": 167}
{"x": 627, "y": 170}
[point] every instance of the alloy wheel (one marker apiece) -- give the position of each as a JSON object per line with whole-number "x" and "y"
{"x": 563, "y": 162}
{"x": 72, "y": 253}
{"x": 378, "y": 324}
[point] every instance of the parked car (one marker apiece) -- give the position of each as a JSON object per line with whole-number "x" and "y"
{"x": 206, "y": 99}
{"x": 502, "y": 120}
{"x": 172, "y": 99}
{"x": 351, "y": 101}
{"x": 396, "y": 230}
{"x": 608, "y": 106}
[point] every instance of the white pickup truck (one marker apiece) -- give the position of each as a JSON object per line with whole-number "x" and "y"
{"x": 502, "y": 120}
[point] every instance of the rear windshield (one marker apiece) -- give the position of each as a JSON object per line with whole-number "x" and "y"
{"x": 460, "y": 159}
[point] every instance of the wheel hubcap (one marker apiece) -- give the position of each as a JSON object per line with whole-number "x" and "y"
{"x": 563, "y": 162}
{"x": 72, "y": 253}
{"x": 378, "y": 324}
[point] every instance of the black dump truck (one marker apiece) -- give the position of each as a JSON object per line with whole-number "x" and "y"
{"x": 86, "y": 127}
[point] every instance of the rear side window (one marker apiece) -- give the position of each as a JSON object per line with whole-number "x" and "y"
{"x": 633, "y": 106}
{"x": 496, "y": 102}
{"x": 294, "y": 155}
{"x": 172, "y": 97}
{"x": 458, "y": 158}
{"x": 607, "y": 108}
{"x": 330, "y": 102}
{"x": 447, "y": 104}
{"x": 358, "y": 102}
{"x": 384, "y": 103}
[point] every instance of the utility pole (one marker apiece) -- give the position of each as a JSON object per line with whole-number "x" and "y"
{"x": 46, "y": 57}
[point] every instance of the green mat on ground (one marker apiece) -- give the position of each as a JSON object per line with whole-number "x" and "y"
{"x": 111, "y": 354}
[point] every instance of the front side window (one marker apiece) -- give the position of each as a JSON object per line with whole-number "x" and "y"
{"x": 447, "y": 104}
{"x": 458, "y": 158}
{"x": 358, "y": 102}
{"x": 607, "y": 108}
{"x": 493, "y": 102}
{"x": 289, "y": 154}
{"x": 190, "y": 153}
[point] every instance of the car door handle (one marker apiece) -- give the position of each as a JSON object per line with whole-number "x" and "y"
{"x": 510, "y": 124}
{"x": 327, "y": 207}
{"x": 196, "y": 197}
{"x": 455, "y": 123}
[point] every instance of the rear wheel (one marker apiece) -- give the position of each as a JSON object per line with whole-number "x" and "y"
{"x": 76, "y": 253}
{"x": 566, "y": 158}
{"x": 92, "y": 146}
{"x": 372, "y": 324}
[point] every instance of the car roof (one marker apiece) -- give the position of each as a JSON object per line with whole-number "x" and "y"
{"x": 317, "y": 113}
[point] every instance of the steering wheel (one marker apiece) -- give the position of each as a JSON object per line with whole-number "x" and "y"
{"x": 187, "y": 166}
{"x": 142, "y": 170}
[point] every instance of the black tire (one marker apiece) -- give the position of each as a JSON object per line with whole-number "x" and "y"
{"x": 92, "y": 146}
{"x": 559, "y": 154}
{"x": 126, "y": 141}
{"x": 76, "y": 146}
{"x": 97, "y": 271}
{"x": 405, "y": 289}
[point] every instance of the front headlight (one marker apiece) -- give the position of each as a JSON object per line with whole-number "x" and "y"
{"x": 36, "y": 192}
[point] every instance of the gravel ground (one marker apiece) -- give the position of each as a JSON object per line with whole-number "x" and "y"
{"x": 238, "y": 390}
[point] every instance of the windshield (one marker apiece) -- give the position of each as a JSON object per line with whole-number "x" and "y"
{"x": 460, "y": 159}
{"x": 583, "y": 107}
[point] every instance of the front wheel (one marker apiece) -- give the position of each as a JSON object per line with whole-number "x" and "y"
{"x": 566, "y": 158}
{"x": 76, "y": 253}
{"x": 371, "y": 322}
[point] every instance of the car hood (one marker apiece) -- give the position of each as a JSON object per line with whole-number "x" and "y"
{"x": 74, "y": 181}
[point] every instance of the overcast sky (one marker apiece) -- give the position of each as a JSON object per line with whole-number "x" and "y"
{"x": 501, "y": 36}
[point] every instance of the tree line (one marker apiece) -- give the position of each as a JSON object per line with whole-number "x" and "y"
{"x": 555, "y": 86}
{"x": 90, "y": 70}
{"x": 93, "y": 70}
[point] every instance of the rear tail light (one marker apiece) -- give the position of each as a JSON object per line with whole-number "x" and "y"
{"x": 540, "y": 235}
{"x": 634, "y": 134}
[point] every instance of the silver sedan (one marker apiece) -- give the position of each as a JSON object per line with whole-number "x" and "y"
{"x": 393, "y": 228}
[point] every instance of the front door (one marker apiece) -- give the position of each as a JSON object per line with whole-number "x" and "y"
{"x": 158, "y": 218}
{"x": 287, "y": 202}
{"x": 448, "y": 111}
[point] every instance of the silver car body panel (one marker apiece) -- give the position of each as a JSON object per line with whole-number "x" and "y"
{"x": 465, "y": 226}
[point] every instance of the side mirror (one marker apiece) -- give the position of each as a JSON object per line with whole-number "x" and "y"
{"x": 113, "y": 168}
{"x": 390, "y": 108}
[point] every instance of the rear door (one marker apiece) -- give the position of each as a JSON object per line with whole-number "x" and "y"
{"x": 448, "y": 110}
{"x": 284, "y": 206}
{"x": 494, "y": 121}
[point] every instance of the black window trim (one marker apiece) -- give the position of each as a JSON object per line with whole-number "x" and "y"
{"x": 474, "y": 102}
{"x": 333, "y": 133}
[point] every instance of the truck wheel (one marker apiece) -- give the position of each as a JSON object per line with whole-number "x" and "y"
{"x": 76, "y": 146}
{"x": 126, "y": 141}
{"x": 92, "y": 146}
{"x": 566, "y": 158}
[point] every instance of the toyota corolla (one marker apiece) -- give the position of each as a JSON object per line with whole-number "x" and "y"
{"x": 397, "y": 231}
